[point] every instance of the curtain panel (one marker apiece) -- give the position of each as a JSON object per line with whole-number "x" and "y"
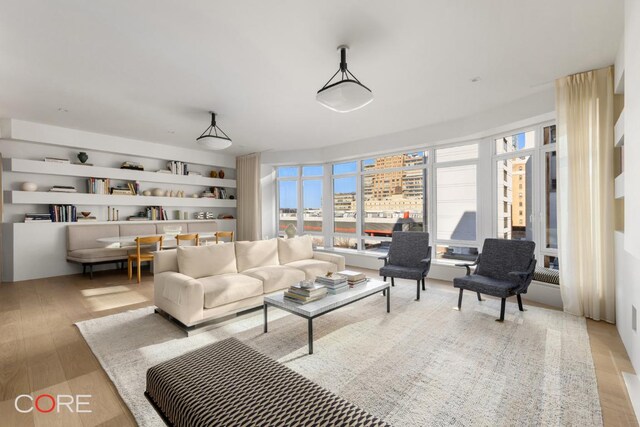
{"x": 584, "y": 107}
{"x": 249, "y": 204}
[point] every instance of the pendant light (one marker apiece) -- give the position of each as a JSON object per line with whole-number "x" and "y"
{"x": 347, "y": 94}
{"x": 213, "y": 137}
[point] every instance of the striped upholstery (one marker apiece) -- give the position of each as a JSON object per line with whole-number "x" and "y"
{"x": 230, "y": 384}
{"x": 547, "y": 275}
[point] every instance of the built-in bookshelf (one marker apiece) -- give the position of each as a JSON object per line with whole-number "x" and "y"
{"x": 77, "y": 170}
{"x": 51, "y": 198}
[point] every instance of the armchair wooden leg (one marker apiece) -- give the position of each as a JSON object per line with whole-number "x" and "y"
{"x": 502, "y": 306}
{"x": 130, "y": 268}
{"x": 460, "y": 299}
{"x": 423, "y": 285}
{"x": 418, "y": 290}
{"x": 520, "y": 303}
{"x": 392, "y": 282}
{"x": 479, "y": 297}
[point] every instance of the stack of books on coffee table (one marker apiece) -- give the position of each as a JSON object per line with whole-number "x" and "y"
{"x": 303, "y": 295}
{"x": 354, "y": 278}
{"x": 334, "y": 283}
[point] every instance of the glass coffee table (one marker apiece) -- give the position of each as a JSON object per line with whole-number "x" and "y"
{"x": 327, "y": 304}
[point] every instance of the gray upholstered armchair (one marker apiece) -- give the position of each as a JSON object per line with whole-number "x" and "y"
{"x": 504, "y": 268}
{"x": 409, "y": 257}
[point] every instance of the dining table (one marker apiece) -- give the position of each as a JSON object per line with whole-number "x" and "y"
{"x": 169, "y": 239}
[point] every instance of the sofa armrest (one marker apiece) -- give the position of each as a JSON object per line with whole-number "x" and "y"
{"x": 334, "y": 258}
{"x": 180, "y": 296}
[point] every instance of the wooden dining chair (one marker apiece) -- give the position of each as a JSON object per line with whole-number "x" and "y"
{"x": 139, "y": 257}
{"x": 187, "y": 238}
{"x": 224, "y": 235}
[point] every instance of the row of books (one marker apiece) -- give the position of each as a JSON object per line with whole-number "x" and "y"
{"x": 178, "y": 168}
{"x": 130, "y": 189}
{"x": 156, "y": 213}
{"x": 331, "y": 284}
{"x": 334, "y": 283}
{"x": 98, "y": 185}
{"x": 63, "y": 213}
{"x": 37, "y": 217}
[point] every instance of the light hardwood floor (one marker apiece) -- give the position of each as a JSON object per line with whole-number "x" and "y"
{"x": 41, "y": 351}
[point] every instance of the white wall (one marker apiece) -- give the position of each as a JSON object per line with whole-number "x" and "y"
{"x": 628, "y": 243}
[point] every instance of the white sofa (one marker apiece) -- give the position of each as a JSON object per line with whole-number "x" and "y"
{"x": 197, "y": 284}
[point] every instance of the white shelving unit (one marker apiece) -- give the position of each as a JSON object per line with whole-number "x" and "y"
{"x": 66, "y": 169}
{"x": 55, "y": 198}
{"x": 619, "y": 186}
{"x": 619, "y": 131}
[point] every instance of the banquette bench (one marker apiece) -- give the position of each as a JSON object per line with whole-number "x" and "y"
{"x": 83, "y": 246}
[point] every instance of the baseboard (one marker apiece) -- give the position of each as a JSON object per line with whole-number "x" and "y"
{"x": 633, "y": 389}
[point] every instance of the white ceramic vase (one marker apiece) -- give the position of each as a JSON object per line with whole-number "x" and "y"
{"x": 29, "y": 186}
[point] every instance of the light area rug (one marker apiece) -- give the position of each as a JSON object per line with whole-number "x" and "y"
{"x": 422, "y": 364}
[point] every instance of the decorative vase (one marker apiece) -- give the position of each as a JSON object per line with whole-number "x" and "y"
{"x": 83, "y": 157}
{"x": 157, "y": 192}
{"x": 221, "y": 174}
{"x": 146, "y": 193}
{"x": 29, "y": 186}
{"x": 213, "y": 174}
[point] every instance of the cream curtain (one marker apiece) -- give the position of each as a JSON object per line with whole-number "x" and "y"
{"x": 249, "y": 223}
{"x": 584, "y": 106}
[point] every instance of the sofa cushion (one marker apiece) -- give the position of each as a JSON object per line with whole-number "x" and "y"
{"x": 97, "y": 254}
{"x": 295, "y": 249}
{"x": 276, "y": 277}
{"x": 228, "y": 288}
{"x": 256, "y": 254}
{"x": 314, "y": 267}
{"x": 202, "y": 261}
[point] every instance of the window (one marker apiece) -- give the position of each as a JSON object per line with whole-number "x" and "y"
{"x": 456, "y": 203}
{"x": 518, "y": 142}
{"x": 530, "y": 159}
{"x": 288, "y": 204}
{"x": 344, "y": 205}
{"x": 393, "y": 189}
{"x": 299, "y": 192}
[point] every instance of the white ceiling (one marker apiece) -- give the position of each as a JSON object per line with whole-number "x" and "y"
{"x": 152, "y": 69}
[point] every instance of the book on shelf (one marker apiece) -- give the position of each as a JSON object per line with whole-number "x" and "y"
{"x": 63, "y": 189}
{"x": 156, "y": 213}
{"x": 98, "y": 185}
{"x": 86, "y": 218}
{"x": 37, "y": 217}
{"x": 63, "y": 213}
{"x": 178, "y": 168}
{"x": 132, "y": 165}
{"x": 56, "y": 160}
{"x": 357, "y": 282}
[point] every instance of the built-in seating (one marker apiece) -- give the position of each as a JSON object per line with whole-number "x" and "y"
{"x": 83, "y": 246}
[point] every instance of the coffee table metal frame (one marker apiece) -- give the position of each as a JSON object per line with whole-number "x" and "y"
{"x": 277, "y": 300}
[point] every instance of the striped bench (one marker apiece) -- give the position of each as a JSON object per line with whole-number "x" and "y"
{"x": 230, "y": 384}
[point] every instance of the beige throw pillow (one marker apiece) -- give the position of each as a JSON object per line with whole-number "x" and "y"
{"x": 256, "y": 254}
{"x": 296, "y": 249}
{"x": 204, "y": 261}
